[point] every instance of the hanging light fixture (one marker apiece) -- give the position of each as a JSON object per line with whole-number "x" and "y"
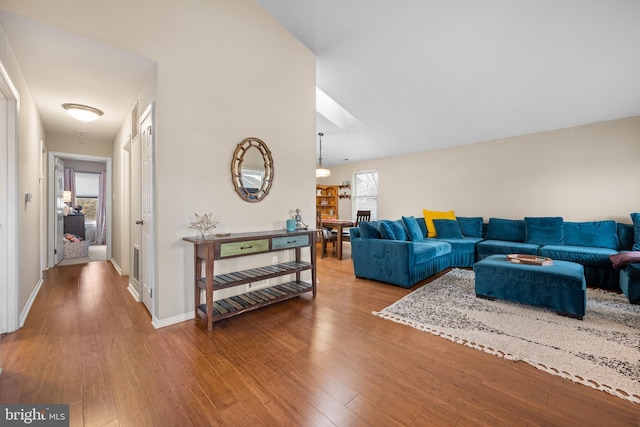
{"x": 83, "y": 113}
{"x": 320, "y": 171}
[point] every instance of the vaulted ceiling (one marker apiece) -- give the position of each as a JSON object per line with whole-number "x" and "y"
{"x": 428, "y": 74}
{"x": 415, "y": 75}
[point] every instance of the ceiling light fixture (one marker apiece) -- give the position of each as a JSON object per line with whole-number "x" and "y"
{"x": 83, "y": 113}
{"x": 320, "y": 171}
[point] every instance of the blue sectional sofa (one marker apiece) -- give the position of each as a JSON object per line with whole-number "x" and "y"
{"x": 399, "y": 252}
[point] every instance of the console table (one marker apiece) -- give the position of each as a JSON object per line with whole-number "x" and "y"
{"x": 212, "y": 249}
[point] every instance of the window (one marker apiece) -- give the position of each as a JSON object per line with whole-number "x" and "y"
{"x": 365, "y": 192}
{"x": 87, "y": 190}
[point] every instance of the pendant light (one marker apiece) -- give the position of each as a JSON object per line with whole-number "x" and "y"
{"x": 320, "y": 171}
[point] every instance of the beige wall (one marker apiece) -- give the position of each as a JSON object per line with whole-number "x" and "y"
{"x": 582, "y": 173}
{"x": 75, "y": 144}
{"x": 30, "y": 169}
{"x": 225, "y": 71}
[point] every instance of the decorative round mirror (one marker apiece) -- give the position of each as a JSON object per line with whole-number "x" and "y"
{"x": 252, "y": 170}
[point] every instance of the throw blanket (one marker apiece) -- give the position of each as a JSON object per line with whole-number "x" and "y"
{"x": 623, "y": 259}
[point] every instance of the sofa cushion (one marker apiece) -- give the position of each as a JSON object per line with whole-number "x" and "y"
{"x": 370, "y": 230}
{"x": 544, "y": 230}
{"x": 413, "y": 229}
{"x": 635, "y": 217}
{"x": 511, "y": 230}
{"x": 447, "y": 229}
{"x": 426, "y": 250}
{"x": 625, "y": 236}
{"x": 470, "y": 226}
{"x": 393, "y": 230}
{"x": 429, "y": 216}
{"x": 597, "y": 234}
{"x": 490, "y": 247}
{"x": 593, "y": 256}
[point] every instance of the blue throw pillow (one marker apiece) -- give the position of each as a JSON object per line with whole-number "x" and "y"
{"x": 386, "y": 230}
{"x": 635, "y": 217}
{"x": 510, "y": 230}
{"x": 470, "y": 226}
{"x": 544, "y": 230}
{"x": 625, "y": 236}
{"x": 413, "y": 229}
{"x": 369, "y": 230}
{"x": 399, "y": 230}
{"x": 598, "y": 234}
{"x": 447, "y": 229}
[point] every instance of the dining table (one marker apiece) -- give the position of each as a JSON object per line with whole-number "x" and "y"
{"x": 338, "y": 225}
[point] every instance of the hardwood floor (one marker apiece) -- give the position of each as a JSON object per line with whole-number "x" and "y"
{"x": 304, "y": 362}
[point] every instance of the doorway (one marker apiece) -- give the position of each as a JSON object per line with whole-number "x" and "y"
{"x": 56, "y": 233}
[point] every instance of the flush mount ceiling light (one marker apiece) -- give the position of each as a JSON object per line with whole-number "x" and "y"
{"x": 83, "y": 113}
{"x": 320, "y": 171}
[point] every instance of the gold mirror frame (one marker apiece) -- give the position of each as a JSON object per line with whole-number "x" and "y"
{"x": 252, "y": 195}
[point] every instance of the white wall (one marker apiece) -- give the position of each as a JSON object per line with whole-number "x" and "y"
{"x": 583, "y": 173}
{"x": 226, "y": 71}
{"x": 30, "y": 133}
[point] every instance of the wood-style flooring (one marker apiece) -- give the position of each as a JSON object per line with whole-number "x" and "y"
{"x": 305, "y": 362}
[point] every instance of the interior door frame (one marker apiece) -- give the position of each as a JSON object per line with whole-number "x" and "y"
{"x": 9, "y": 242}
{"x": 51, "y": 204}
{"x": 148, "y": 204}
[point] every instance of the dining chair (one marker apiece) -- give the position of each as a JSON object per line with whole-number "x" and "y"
{"x": 361, "y": 216}
{"x": 327, "y": 236}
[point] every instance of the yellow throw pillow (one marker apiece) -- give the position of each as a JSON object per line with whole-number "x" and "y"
{"x": 429, "y": 216}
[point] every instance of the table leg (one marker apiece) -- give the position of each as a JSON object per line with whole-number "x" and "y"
{"x": 339, "y": 242}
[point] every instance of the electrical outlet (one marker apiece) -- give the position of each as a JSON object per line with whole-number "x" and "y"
{"x": 274, "y": 259}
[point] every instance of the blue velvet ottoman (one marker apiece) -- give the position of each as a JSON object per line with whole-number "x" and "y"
{"x": 560, "y": 286}
{"x": 630, "y": 282}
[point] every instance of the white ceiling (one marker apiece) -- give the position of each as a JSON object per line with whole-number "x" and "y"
{"x": 418, "y": 74}
{"x": 61, "y": 67}
{"x": 426, "y": 74}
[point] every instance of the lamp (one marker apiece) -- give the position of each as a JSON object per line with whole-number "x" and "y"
{"x": 83, "y": 113}
{"x": 66, "y": 196}
{"x": 320, "y": 171}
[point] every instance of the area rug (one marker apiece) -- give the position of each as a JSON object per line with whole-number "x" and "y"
{"x": 602, "y": 351}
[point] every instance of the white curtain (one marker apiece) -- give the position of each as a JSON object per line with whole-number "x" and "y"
{"x": 101, "y": 214}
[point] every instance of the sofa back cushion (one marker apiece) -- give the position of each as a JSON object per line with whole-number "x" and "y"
{"x": 510, "y": 230}
{"x": 470, "y": 226}
{"x": 544, "y": 230}
{"x": 598, "y": 234}
{"x": 413, "y": 229}
{"x": 393, "y": 230}
{"x": 635, "y": 217}
{"x": 625, "y": 236}
{"x": 369, "y": 230}
{"x": 447, "y": 229}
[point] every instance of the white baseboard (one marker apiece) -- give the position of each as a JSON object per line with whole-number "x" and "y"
{"x": 116, "y": 266}
{"x": 172, "y": 320}
{"x": 27, "y": 306}
{"x": 132, "y": 290}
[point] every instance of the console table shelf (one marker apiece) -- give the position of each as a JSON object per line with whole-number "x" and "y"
{"x": 212, "y": 249}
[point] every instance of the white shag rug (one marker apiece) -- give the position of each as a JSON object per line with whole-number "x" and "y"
{"x": 602, "y": 351}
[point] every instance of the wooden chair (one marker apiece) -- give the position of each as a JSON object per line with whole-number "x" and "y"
{"x": 328, "y": 236}
{"x": 361, "y": 216}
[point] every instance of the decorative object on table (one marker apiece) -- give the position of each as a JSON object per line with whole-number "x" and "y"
{"x": 529, "y": 259}
{"x": 300, "y": 225}
{"x": 204, "y": 224}
{"x": 252, "y": 170}
{"x": 320, "y": 171}
{"x": 291, "y": 224}
{"x": 600, "y": 351}
{"x": 78, "y": 209}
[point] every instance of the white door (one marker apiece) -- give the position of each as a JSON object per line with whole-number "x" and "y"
{"x": 135, "y": 203}
{"x": 147, "y": 259}
{"x": 59, "y": 204}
